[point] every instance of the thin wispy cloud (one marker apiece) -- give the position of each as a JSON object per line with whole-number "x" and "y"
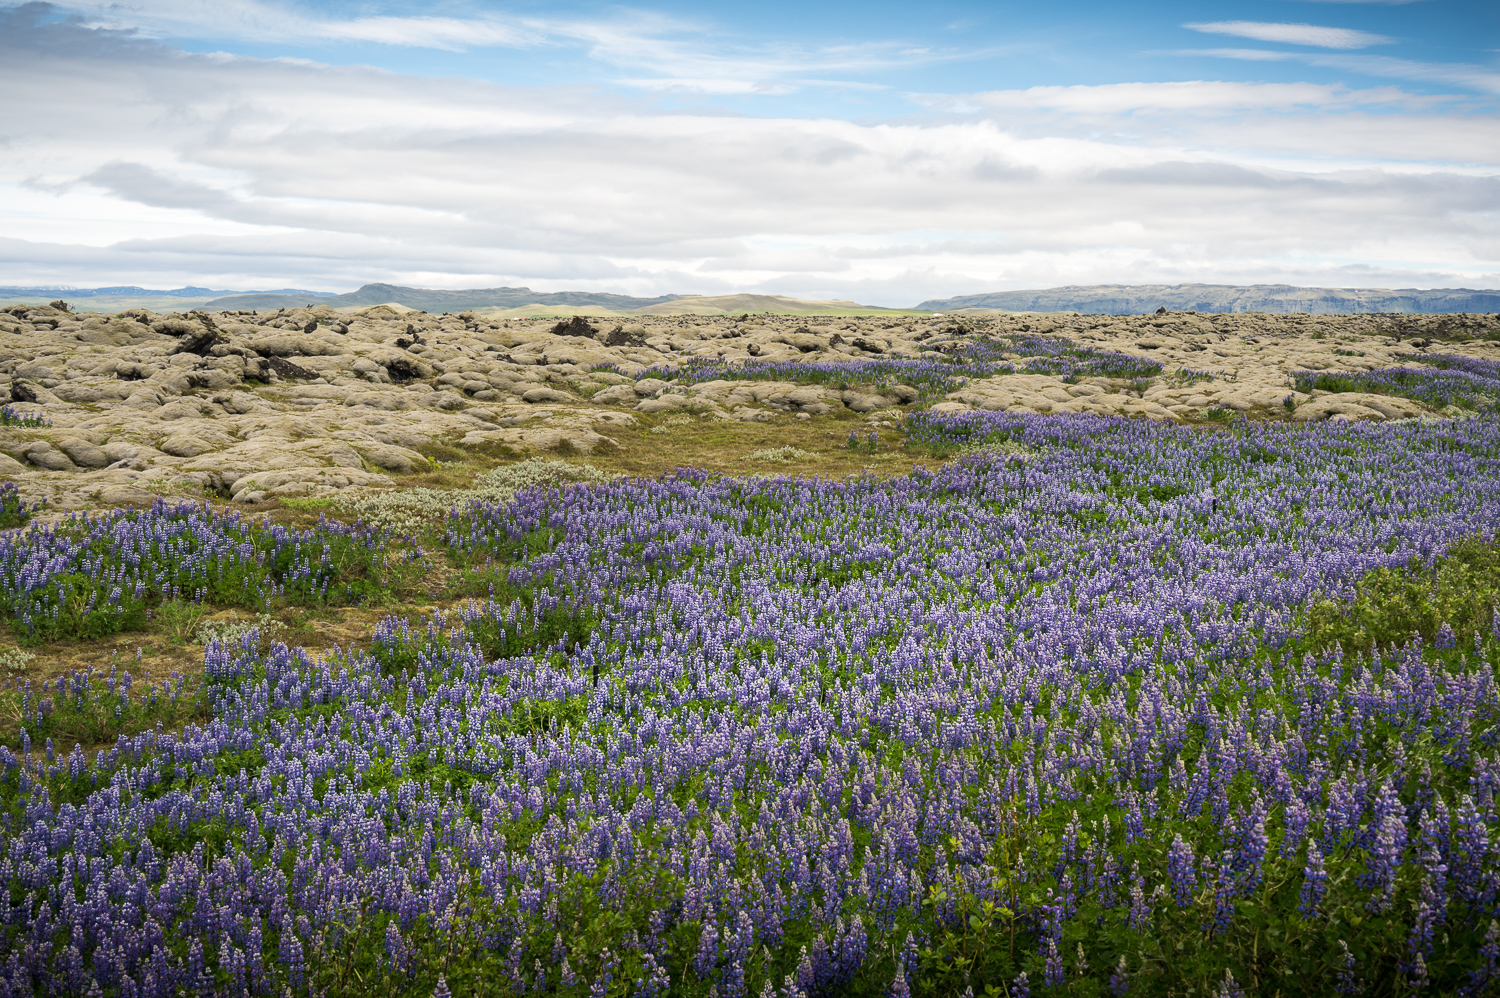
{"x": 1244, "y": 55}
{"x": 1481, "y": 78}
{"x": 1292, "y": 34}
{"x": 652, "y": 50}
{"x": 450, "y": 33}
{"x": 1212, "y": 96}
{"x": 257, "y": 21}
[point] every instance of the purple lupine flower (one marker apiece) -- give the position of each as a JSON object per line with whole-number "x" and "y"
{"x": 899, "y": 988}
{"x": 1385, "y": 857}
{"x": 1054, "y": 965}
{"x": 708, "y": 952}
{"x": 1181, "y": 870}
{"x": 1314, "y": 882}
{"x": 1418, "y": 973}
{"x": 1139, "y": 916}
{"x": 1346, "y": 981}
{"x": 654, "y": 981}
{"x": 601, "y": 984}
{"x": 1229, "y": 987}
{"x": 1483, "y": 977}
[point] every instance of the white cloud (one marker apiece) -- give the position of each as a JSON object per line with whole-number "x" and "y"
{"x": 1481, "y": 78}
{"x": 1250, "y": 55}
{"x": 451, "y": 33}
{"x": 258, "y": 21}
{"x": 1192, "y": 95}
{"x": 127, "y": 162}
{"x": 1292, "y": 34}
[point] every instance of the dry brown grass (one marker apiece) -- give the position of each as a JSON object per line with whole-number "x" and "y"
{"x": 661, "y": 444}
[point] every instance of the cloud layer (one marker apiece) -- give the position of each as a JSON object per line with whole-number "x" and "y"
{"x": 129, "y": 162}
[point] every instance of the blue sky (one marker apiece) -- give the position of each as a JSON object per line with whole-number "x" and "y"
{"x": 858, "y": 59}
{"x": 882, "y": 152}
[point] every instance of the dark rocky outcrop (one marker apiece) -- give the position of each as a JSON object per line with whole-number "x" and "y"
{"x": 286, "y": 369}
{"x": 576, "y": 326}
{"x": 622, "y": 337}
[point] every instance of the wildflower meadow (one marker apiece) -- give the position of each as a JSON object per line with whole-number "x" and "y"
{"x": 1099, "y": 707}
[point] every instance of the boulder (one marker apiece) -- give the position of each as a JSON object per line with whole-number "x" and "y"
{"x": 1330, "y": 406}
{"x": 144, "y": 398}
{"x": 185, "y": 445}
{"x": 286, "y": 344}
{"x": 122, "y": 450}
{"x": 96, "y": 392}
{"x": 1392, "y": 408}
{"x": 402, "y": 368}
{"x": 616, "y": 395}
{"x": 214, "y": 379}
{"x": 124, "y": 495}
{"x": 545, "y": 394}
{"x": 182, "y": 408}
{"x": 199, "y": 341}
{"x": 264, "y": 485}
{"x": 392, "y": 458}
{"x": 44, "y": 455}
{"x": 444, "y": 400}
{"x": 83, "y": 453}
{"x": 238, "y": 403}
{"x": 667, "y": 403}
{"x": 135, "y": 371}
{"x": 862, "y": 402}
{"x": 179, "y": 327}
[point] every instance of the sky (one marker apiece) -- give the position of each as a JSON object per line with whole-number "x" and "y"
{"x": 886, "y": 153}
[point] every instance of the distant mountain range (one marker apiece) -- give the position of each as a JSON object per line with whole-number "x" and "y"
{"x": 130, "y": 291}
{"x": 1106, "y": 299}
{"x": 429, "y": 300}
{"x": 1134, "y": 299}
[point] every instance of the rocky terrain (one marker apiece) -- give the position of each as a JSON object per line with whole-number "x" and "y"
{"x": 254, "y": 406}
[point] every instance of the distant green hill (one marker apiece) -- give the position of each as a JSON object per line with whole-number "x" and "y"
{"x": 778, "y": 304}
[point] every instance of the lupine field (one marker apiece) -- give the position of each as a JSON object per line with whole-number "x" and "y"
{"x": 1466, "y": 382}
{"x": 1099, "y": 707}
{"x": 941, "y": 371}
